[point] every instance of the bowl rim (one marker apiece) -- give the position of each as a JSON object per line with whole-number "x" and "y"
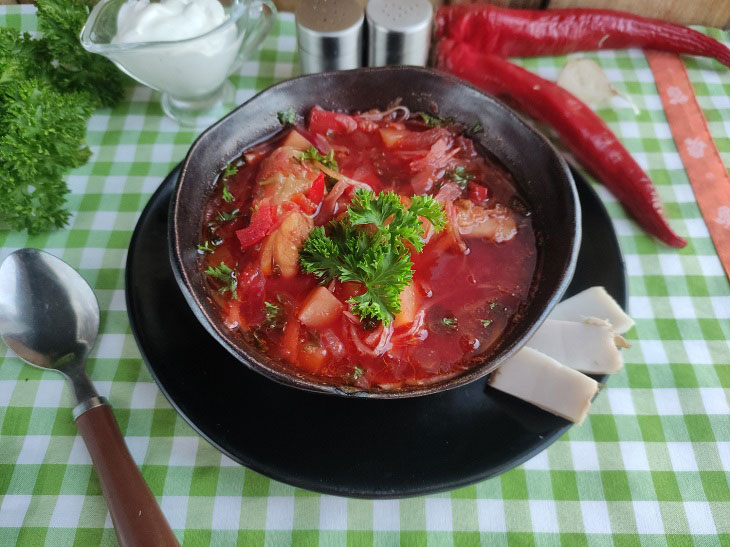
{"x": 290, "y": 378}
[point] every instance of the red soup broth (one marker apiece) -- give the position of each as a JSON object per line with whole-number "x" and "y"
{"x": 469, "y": 281}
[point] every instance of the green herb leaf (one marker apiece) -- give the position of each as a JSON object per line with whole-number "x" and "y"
{"x": 350, "y": 254}
{"x": 227, "y": 196}
{"x": 226, "y": 276}
{"x": 271, "y": 310}
{"x": 287, "y": 117}
{"x": 221, "y": 218}
{"x": 274, "y": 315}
{"x": 231, "y": 170}
{"x": 320, "y": 253}
{"x": 385, "y": 272}
{"x": 476, "y": 129}
{"x": 403, "y": 224}
{"x": 486, "y": 322}
{"x": 434, "y": 121}
{"x": 460, "y": 176}
{"x": 356, "y": 373}
{"x": 366, "y": 208}
{"x": 228, "y": 215}
{"x": 430, "y": 209}
{"x": 451, "y": 322}
{"x": 312, "y": 154}
{"x": 379, "y": 260}
{"x": 209, "y": 246}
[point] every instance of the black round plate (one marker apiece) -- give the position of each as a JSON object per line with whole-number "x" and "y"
{"x": 350, "y": 447}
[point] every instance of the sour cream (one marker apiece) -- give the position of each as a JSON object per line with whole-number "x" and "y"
{"x": 188, "y": 69}
{"x": 167, "y": 20}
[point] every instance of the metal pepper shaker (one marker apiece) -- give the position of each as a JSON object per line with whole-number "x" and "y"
{"x": 399, "y": 32}
{"x": 329, "y": 34}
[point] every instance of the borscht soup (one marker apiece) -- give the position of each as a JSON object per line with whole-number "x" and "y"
{"x": 378, "y": 250}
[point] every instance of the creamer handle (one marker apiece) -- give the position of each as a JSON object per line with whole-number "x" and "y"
{"x": 258, "y": 27}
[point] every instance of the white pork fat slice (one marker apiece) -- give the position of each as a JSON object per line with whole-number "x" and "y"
{"x": 593, "y": 302}
{"x": 540, "y": 380}
{"x": 588, "y": 346}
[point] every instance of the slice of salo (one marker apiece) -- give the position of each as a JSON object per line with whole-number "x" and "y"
{"x": 593, "y": 302}
{"x": 539, "y": 379}
{"x": 588, "y": 346}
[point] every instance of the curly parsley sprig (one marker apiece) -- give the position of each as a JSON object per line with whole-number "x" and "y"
{"x": 49, "y": 87}
{"x": 377, "y": 258}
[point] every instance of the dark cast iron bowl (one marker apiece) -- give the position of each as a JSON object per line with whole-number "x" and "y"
{"x": 540, "y": 173}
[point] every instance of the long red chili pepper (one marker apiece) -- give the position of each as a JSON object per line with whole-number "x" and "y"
{"x": 529, "y": 33}
{"x": 582, "y": 131}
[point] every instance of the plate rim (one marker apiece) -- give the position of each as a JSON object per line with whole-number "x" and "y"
{"x": 325, "y": 488}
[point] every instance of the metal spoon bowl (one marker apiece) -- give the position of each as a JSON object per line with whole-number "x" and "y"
{"x": 49, "y": 317}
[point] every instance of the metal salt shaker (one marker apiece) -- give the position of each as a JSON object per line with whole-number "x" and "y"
{"x": 329, "y": 34}
{"x": 399, "y": 32}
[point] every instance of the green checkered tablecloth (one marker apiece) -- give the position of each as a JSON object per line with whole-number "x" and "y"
{"x": 649, "y": 466}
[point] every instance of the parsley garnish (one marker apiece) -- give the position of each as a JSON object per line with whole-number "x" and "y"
{"x": 356, "y": 373}
{"x": 434, "y": 121}
{"x": 460, "y": 176}
{"x": 209, "y": 246}
{"x": 451, "y": 322}
{"x": 404, "y": 225}
{"x": 230, "y": 170}
{"x": 287, "y": 117}
{"x": 273, "y": 315}
{"x": 312, "y": 154}
{"x": 476, "y": 129}
{"x": 227, "y": 216}
{"x": 378, "y": 259}
{"x": 486, "y": 322}
{"x": 222, "y": 217}
{"x": 226, "y": 276}
{"x": 227, "y": 196}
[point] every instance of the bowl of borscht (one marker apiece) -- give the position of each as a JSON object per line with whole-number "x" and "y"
{"x": 383, "y": 232}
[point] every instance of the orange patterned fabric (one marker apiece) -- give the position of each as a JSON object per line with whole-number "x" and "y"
{"x": 705, "y": 169}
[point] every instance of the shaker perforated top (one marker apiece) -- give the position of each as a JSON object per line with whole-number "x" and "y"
{"x": 329, "y": 16}
{"x": 329, "y": 33}
{"x": 399, "y": 32}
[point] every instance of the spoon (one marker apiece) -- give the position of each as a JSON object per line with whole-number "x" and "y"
{"x": 50, "y": 318}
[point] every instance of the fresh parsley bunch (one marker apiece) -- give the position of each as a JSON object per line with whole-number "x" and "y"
{"x": 368, "y": 246}
{"x": 49, "y": 87}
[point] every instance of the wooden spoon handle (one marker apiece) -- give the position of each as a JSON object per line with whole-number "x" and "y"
{"x": 137, "y": 518}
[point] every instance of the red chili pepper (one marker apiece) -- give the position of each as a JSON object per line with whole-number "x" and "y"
{"x": 477, "y": 193}
{"x": 585, "y": 134}
{"x": 316, "y": 191}
{"x": 261, "y": 222}
{"x": 529, "y": 33}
